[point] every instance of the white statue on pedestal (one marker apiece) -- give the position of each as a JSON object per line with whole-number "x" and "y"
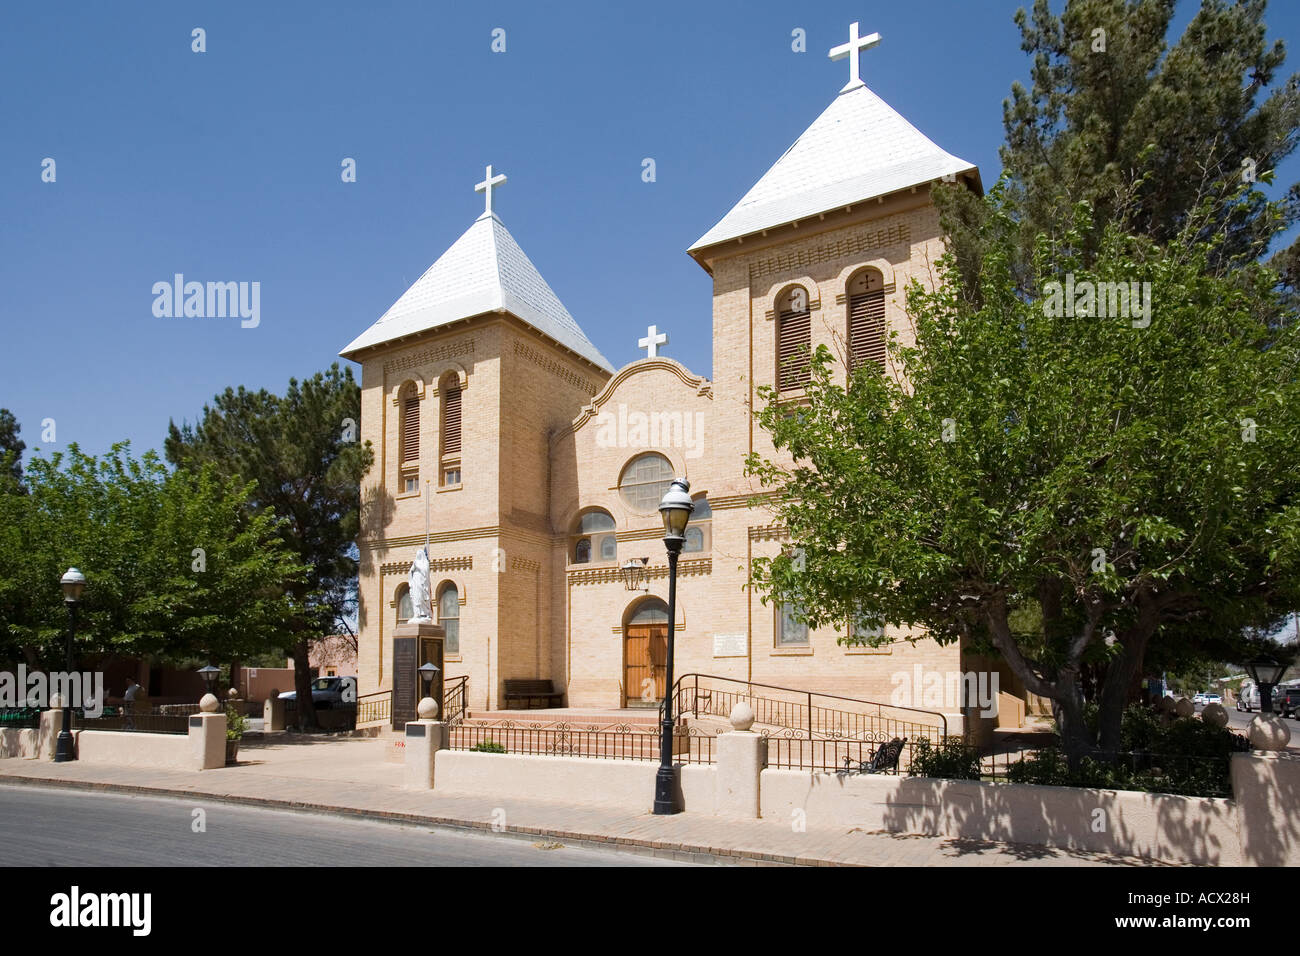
{"x": 419, "y": 586}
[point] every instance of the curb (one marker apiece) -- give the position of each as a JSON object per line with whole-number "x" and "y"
{"x": 663, "y": 849}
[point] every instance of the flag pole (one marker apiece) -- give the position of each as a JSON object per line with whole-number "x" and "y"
{"x": 426, "y": 539}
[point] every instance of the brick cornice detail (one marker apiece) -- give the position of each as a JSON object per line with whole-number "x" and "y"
{"x": 463, "y": 563}
{"x": 685, "y": 567}
{"x": 556, "y": 368}
{"x": 897, "y": 234}
{"x": 434, "y": 354}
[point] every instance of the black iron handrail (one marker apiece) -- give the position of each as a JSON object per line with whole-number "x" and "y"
{"x": 455, "y": 697}
{"x": 678, "y": 689}
{"x": 375, "y": 706}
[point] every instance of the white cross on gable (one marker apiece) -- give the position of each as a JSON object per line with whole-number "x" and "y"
{"x": 487, "y": 185}
{"x": 653, "y": 339}
{"x": 851, "y": 50}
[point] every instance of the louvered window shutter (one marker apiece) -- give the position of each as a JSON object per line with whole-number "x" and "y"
{"x": 411, "y": 428}
{"x": 867, "y": 331}
{"x": 793, "y": 338}
{"x": 451, "y": 422}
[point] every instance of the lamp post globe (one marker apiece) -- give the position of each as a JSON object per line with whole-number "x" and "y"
{"x": 73, "y": 583}
{"x": 428, "y": 671}
{"x": 1266, "y": 672}
{"x": 209, "y": 673}
{"x": 675, "y": 509}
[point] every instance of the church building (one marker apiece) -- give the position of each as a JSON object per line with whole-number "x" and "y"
{"x": 540, "y": 466}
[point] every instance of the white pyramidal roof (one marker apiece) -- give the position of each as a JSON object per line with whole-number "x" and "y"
{"x": 858, "y": 149}
{"x": 483, "y": 271}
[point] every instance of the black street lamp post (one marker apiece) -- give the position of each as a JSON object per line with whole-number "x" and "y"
{"x": 676, "y": 509}
{"x": 73, "y": 582}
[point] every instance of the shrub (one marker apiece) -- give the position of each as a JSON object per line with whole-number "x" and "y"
{"x": 236, "y": 723}
{"x": 951, "y": 760}
{"x": 488, "y": 747}
{"x": 1185, "y": 756}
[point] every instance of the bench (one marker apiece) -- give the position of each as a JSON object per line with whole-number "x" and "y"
{"x": 531, "y": 690}
{"x": 884, "y": 760}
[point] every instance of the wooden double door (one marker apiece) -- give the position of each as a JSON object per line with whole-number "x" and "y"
{"x": 645, "y": 656}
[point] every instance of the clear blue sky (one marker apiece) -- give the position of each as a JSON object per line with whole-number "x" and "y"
{"x": 225, "y": 166}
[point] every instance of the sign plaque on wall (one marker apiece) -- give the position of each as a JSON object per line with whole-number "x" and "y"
{"x": 730, "y": 645}
{"x": 404, "y": 680}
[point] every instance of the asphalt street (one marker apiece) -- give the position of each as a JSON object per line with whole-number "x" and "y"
{"x": 54, "y": 827}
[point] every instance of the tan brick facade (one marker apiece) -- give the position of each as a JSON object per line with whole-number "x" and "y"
{"x": 543, "y": 445}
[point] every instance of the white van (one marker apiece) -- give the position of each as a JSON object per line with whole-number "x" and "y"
{"x": 1248, "y": 697}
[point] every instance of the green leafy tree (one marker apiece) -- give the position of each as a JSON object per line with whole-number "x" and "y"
{"x": 176, "y": 565}
{"x": 11, "y": 447}
{"x": 1130, "y": 485}
{"x": 300, "y": 451}
{"x": 1150, "y": 131}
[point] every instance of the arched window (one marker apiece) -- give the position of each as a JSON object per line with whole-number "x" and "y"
{"x": 793, "y": 338}
{"x": 644, "y": 482}
{"x": 449, "y": 618}
{"x": 652, "y": 611}
{"x": 449, "y": 458}
{"x": 595, "y": 536}
{"x": 699, "y": 532}
{"x": 404, "y": 609}
{"x": 867, "y": 320}
{"x": 409, "y": 437}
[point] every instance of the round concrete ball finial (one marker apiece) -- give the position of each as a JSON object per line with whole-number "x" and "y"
{"x": 232, "y": 694}
{"x": 1216, "y": 715}
{"x": 742, "y": 716}
{"x": 1167, "y": 705}
{"x": 209, "y": 704}
{"x": 427, "y": 708}
{"x": 1185, "y": 707}
{"x": 1268, "y": 732}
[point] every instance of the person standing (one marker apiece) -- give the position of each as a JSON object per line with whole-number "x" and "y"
{"x": 128, "y": 704}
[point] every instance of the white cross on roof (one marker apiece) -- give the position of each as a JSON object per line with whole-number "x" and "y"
{"x": 486, "y": 187}
{"x": 851, "y": 50}
{"x": 653, "y": 339}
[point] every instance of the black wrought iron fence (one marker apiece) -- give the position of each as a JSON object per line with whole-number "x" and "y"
{"x": 616, "y": 742}
{"x": 791, "y": 751}
{"x": 143, "y": 723}
{"x": 20, "y": 718}
{"x": 1195, "y": 775}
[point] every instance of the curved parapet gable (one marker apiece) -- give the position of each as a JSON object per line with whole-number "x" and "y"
{"x": 701, "y": 385}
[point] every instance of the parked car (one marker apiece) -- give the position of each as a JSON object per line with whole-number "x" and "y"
{"x": 1248, "y": 697}
{"x": 1286, "y": 700}
{"x": 329, "y": 692}
{"x": 1213, "y": 699}
{"x": 1199, "y": 698}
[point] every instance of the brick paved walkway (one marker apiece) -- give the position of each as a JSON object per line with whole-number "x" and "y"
{"x": 354, "y": 776}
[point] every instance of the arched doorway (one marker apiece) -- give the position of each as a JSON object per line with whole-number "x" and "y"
{"x": 645, "y": 654}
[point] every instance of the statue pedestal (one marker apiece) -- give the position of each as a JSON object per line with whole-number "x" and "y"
{"x": 415, "y": 643}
